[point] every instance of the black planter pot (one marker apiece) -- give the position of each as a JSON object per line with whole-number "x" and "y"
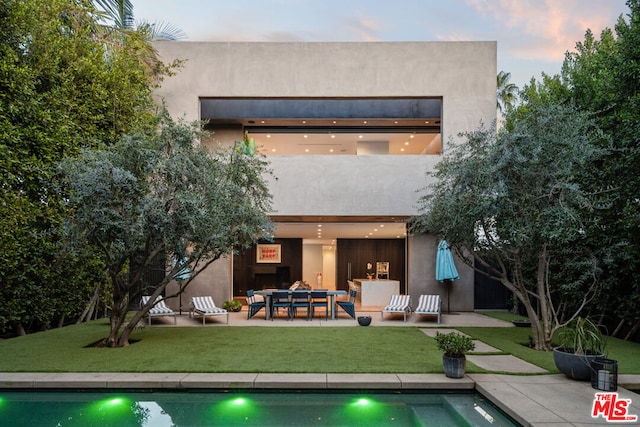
{"x": 574, "y": 366}
{"x": 521, "y": 323}
{"x": 454, "y": 367}
{"x": 364, "y": 320}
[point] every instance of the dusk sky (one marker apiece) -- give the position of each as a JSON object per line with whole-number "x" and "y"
{"x": 532, "y": 35}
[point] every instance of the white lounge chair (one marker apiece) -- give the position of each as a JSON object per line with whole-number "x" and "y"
{"x": 159, "y": 309}
{"x": 398, "y": 304}
{"x": 204, "y": 306}
{"x": 428, "y": 305}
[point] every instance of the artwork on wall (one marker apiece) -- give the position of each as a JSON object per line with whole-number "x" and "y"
{"x": 268, "y": 254}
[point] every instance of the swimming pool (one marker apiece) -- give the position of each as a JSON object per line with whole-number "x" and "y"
{"x": 164, "y": 409}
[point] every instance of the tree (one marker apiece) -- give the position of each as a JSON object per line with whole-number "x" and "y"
{"x": 120, "y": 12}
{"x": 163, "y": 195}
{"x": 120, "y": 25}
{"x": 603, "y": 77}
{"x": 506, "y": 92}
{"x": 60, "y": 89}
{"x": 509, "y": 205}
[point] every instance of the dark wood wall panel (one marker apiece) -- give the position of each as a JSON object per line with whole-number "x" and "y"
{"x": 247, "y": 274}
{"x": 359, "y": 252}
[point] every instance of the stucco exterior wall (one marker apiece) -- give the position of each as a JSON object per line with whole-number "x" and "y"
{"x": 463, "y": 74}
{"x": 422, "y": 265}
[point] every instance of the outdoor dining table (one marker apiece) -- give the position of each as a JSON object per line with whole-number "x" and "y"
{"x": 268, "y": 292}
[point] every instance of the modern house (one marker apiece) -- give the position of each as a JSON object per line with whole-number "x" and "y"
{"x": 350, "y": 131}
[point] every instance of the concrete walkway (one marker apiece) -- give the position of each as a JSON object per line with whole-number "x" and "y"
{"x": 534, "y": 399}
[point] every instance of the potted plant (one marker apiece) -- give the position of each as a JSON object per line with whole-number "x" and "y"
{"x": 454, "y": 345}
{"x": 233, "y": 305}
{"x": 581, "y": 341}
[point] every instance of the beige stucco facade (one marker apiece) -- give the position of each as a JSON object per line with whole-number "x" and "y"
{"x": 462, "y": 74}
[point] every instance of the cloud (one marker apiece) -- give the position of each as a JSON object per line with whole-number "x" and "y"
{"x": 364, "y": 28}
{"x": 546, "y": 29}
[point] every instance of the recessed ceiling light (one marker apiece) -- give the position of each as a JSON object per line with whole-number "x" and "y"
{"x": 268, "y": 136}
{"x": 304, "y": 122}
{"x": 395, "y": 122}
{"x": 306, "y": 136}
{"x": 426, "y": 122}
{"x": 306, "y": 150}
{"x": 402, "y": 149}
{"x": 273, "y": 150}
{"x": 381, "y": 225}
{"x": 406, "y": 143}
{"x": 262, "y": 121}
{"x": 365, "y": 122}
{"x": 360, "y": 136}
{"x": 333, "y": 136}
{"x": 331, "y": 150}
{"x": 334, "y": 122}
{"x": 411, "y": 136}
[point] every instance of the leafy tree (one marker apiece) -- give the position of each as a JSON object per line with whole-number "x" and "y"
{"x": 603, "y": 77}
{"x": 507, "y": 93}
{"x": 509, "y": 204}
{"x": 163, "y": 195}
{"x": 61, "y": 88}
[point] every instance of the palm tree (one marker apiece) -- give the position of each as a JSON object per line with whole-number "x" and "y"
{"x": 506, "y": 92}
{"x": 121, "y": 13}
{"x": 120, "y": 26}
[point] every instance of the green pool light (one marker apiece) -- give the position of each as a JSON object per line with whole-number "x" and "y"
{"x": 365, "y": 409}
{"x": 363, "y": 401}
{"x": 111, "y": 407}
{"x": 237, "y": 410}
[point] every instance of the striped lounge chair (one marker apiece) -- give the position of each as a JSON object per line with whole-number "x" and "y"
{"x": 428, "y": 305}
{"x": 204, "y": 306}
{"x": 398, "y": 304}
{"x": 159, "y": 309}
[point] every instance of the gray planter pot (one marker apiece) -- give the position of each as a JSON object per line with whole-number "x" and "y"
{"x": 574, "y": 366}
{"x": 454, "y": 367}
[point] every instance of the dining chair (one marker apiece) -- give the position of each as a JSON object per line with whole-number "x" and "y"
{"x": 349, "y": 306}
{"x": 280, "y": 299}
{"x": 319, "y": 300}
{"x": 255, "y": 303}
{"x": 300, "y": 299}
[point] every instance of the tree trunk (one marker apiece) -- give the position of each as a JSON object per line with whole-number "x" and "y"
{"x": 123, "y": 340}
{"x": 544, "y": 304}
{"x": 91, "y": 305}
{"x": 618, "y": 328}
{"x": 20, "y": 330}
{"x": 61, "y": 321}
{"x": 540, "y": 322}
{"x": 632, "y": 331}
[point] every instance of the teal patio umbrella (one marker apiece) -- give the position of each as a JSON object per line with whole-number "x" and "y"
{"x": 181, "y": 276}
{"x": 445, "y": 267}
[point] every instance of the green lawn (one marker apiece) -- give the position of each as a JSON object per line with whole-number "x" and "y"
{"x": 265, "y": 349}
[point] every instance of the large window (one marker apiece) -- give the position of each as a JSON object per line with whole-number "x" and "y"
{"x": 344, "y": 126}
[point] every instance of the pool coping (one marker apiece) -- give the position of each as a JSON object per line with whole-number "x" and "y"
{"x": 528, "y": 399}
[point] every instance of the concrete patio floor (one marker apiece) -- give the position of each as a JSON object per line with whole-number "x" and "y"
{"x": 532, "y": 399}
